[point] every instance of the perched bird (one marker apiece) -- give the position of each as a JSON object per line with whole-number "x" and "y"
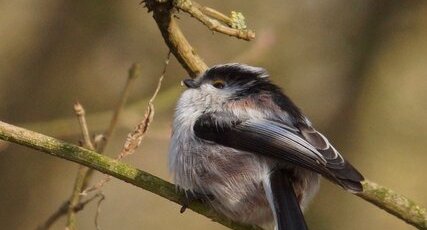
{"x": 242, "y": 145}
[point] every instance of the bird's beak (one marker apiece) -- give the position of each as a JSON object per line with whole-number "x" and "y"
{"x": 190, "y": 83}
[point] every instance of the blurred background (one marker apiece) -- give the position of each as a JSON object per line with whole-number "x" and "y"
{"x": 357, "y": 68}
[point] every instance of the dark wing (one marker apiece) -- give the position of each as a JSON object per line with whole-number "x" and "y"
{"x": 280, "y": 141}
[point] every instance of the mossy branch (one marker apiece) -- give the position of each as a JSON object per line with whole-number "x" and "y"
{"x": 395, "y": 204}
{"x": 382, "y": 197}
{"x": 104, "y": 164}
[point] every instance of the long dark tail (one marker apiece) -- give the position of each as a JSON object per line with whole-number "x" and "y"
{"x": 286, "y": 207}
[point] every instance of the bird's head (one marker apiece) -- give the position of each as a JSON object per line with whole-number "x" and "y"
{"x": 222, "y": 84}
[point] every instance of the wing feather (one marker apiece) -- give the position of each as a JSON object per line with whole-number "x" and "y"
{"x": 304, "y": 147}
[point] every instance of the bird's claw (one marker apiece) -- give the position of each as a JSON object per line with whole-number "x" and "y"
{"x": 190, "y": 197}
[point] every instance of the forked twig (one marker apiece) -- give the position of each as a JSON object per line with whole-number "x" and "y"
{"x": 82, "y": 171}
{"x": 234, "y": 26}
{"x": 84, "y": 174}
{"x": 134, "y": 139}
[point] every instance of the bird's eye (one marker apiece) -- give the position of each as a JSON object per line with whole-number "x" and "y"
{"x": 218, "y": 84}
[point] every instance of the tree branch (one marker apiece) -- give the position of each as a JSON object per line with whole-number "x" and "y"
{"x": 174, "y": 38}
{"x": 385, "y": 198}
{"x": 236, "y": 24}
{"x": 104, "y": 164}
{"x": 395, "y": 204}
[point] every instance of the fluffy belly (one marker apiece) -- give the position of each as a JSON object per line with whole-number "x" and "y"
{"x": 236, "y": 181}
{"x": 244, "y": 208}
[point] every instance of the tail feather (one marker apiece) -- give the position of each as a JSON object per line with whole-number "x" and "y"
{"x": 286, "y": 208}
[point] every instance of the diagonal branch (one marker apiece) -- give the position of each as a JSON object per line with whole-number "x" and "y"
{"x": 104, "y": 164}
{"x": 174, "y": 38}
{"x": 395, "y": 204}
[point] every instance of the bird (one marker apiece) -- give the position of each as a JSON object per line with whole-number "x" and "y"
{"x": 241, "y": 145}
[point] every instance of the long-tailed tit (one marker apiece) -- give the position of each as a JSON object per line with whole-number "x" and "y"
{"x": 241, "y": 143}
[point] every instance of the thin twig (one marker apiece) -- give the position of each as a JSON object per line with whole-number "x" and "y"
{"x": 134, "y": 139}
{"x": 380, "y": 196}
{"x": 61, "y": 211}
{"x": 216, "y": 15}
{"x": 82, "y": 171}
{"x": 102, "y": 142}
{"x": 77, "y": 208}
{"x": 81, "y": 116}
{"x": 82, "y": 204}
{"x": 98, "y": 211}
{"x": 134, "y": 73}
{"x": 236, "y": 25}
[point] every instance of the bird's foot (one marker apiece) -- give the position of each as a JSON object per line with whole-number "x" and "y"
{"x": 191, "y": 196}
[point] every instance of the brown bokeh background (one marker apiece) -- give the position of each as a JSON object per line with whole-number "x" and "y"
{"x": 357, "y": 68}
